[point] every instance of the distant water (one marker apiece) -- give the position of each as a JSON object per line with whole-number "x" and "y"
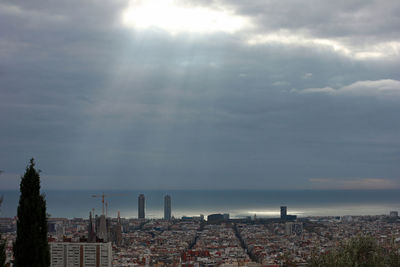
{"x": 238, "y": 203}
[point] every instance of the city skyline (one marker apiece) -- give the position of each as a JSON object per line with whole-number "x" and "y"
{"x": 218, "y": 94}
{"x": 238, "y": 203}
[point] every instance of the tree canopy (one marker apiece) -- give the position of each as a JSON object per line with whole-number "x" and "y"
{"x": 31, "y": 247}
{"x": 360, "y": 251}
{"x": 2, "y": 246}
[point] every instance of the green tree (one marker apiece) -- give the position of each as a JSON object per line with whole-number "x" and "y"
{"x": 31, "y": 247}
{"x": 3, "y": 256}
{"x": 361, "y": 251}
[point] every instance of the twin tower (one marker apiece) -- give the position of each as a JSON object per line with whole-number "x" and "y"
{"x": 167, "y": 207}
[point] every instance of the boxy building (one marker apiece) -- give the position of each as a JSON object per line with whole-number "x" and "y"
{"x": 65, "y": 254}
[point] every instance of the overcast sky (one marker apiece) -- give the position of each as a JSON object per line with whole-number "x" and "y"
{"x": 201, "y": 94}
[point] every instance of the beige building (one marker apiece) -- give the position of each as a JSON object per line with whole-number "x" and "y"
{"x": 66, "y": 254}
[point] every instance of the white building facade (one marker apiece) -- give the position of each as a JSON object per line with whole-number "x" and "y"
{"x": 66, "y": 254}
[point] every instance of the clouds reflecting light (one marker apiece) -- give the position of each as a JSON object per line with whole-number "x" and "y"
{"x": 174, "y": 17}
{"x": 204, "y": 94}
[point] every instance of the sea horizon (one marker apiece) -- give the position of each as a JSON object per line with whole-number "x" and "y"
{"x": 238, "y": 203}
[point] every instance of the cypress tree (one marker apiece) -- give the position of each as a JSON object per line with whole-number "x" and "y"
{"x": 3, "y": 255}
{"x": 2, "y": 245}
{"x": 31, "y": 247}
{"x": 2, "y": 252}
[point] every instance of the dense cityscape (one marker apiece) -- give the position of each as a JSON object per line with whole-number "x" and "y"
{"x": 215, "y": 240}
{"x": 221, "y": 133}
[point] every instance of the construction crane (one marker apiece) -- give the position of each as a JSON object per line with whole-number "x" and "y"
{"x": 107, "y": 195}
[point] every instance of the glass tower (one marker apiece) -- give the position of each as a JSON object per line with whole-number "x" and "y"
{"x": 167, "y": 207}
{"x": 141, "y": 206}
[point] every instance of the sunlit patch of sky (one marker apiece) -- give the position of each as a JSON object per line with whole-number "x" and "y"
{"x": 175, "y": 17}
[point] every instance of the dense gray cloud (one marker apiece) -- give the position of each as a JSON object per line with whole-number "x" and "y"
{"x": 330, "y": 19}
{"x": 105, "y": 105}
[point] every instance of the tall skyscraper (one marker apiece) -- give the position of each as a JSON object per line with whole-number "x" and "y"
{"x": 283, "y": 212}
{"x": 167, "y": 207}
{"x": 141, "y": 206}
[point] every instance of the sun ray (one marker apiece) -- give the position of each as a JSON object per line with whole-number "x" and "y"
{"x": 175, "y": 18}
